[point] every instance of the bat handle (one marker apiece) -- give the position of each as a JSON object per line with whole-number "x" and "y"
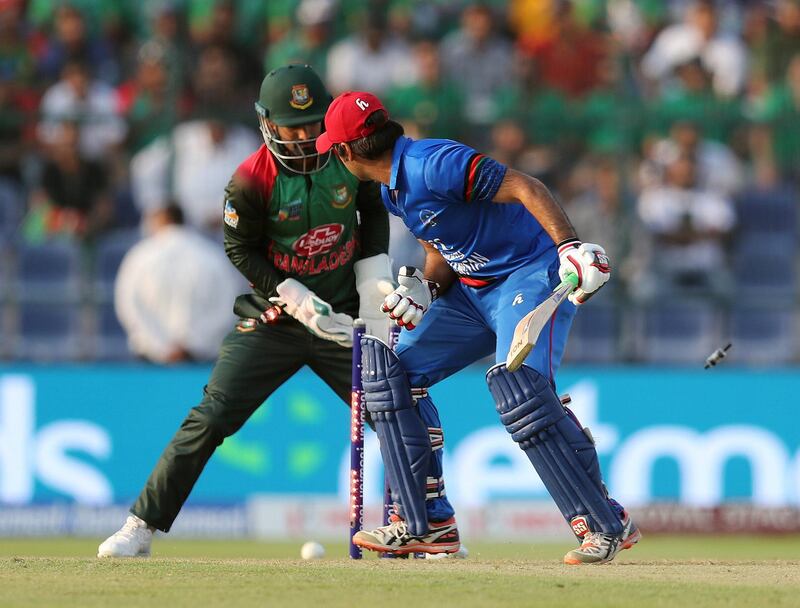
{"x": 571, "y": 279}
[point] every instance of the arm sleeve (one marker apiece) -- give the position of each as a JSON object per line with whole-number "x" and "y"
{"x": 457, "y": 172}
{"x": 246, "y": 239}
{"x": 374, "y": 220}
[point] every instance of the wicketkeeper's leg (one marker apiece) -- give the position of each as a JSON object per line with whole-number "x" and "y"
{"x": 251, "y": 366}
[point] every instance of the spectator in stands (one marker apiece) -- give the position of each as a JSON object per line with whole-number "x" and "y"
{"x": 597, "y": 209}
{"x": 221, "y": 30}
{"x": 13, "y": 144}
{"x": 148, "y": 102}
{"x": 691, "y": 98}
{"x": 510, "y": 147}
{"x": 781, "y": 41}
{"x": 567, "y": 59}
{"x": 373, "y": 59}
{"x": 718, "y": 169}
{"x": 92, "y": 104}
{"x": 309, "y": 42}
{"x": 173, "y": 292}
{"x": 434, "y": 104}
{"x": 778, "y": 111}
{"x": 480, "y": 59}
{"x": 722, "y": 54}
{"x": 166, "y": 28}
{"x": 17, "y": 62}
{"x": 542, "y": 110}
{"x": 191, "y": 165}
{"x": 688, "y": 227}
{"x": 72, "y": 199}
{"x": 71, "y": 43}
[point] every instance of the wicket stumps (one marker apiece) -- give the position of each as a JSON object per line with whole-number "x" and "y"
{"x": 356, "y": 441}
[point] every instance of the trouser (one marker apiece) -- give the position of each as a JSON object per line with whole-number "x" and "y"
{"x": 252, "y": 364}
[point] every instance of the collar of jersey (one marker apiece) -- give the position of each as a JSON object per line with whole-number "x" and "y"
{"x": 397, "y": 156}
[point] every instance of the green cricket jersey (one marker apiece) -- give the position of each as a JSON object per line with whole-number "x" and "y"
{"x": 280, "y": 224}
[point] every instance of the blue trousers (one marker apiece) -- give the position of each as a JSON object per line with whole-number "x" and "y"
{"x": 467, "y": 324}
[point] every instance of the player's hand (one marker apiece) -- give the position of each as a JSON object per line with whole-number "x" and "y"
{"x": 411, "y": 300}
{"x": 373, "y": 283}
{"x": 315, "y": 313}
{"x": 589, "y": 262}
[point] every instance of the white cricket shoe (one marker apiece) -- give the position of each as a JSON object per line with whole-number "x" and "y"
{"x": 131, "y": 540}
{"x": 442, "y": 537}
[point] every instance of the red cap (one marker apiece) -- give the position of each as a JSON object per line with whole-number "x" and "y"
{"x": 345, "y": 118}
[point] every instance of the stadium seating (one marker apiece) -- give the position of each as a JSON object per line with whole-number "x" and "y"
{"x": 676, "y": 332}
{"x": 109, "y": 342}
{"x": 48, "y": 332}
{"x": 763, "y": 335}
{"x": 593, "y": 337}
{"x": 108, "y": 256}
{"x": 48, "y": 271}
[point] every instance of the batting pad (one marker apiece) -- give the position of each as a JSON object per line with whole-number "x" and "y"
{"x": 562, "y": 454}
{"x": 403, "y": 435}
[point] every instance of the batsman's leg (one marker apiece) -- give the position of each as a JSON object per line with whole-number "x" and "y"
{"x": 407, "y": 453}
{"x": 560, "y": 449}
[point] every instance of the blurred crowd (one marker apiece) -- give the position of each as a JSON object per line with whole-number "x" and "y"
{"x": 670, "y": 131}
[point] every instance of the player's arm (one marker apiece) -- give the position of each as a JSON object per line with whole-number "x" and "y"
{"x": 437, "y": 269}
{"x": 373, "y": 269}
{"x": 518, "y": 187}
{"x": 374, "y": 220}
{"x": 246, "y": 239}
{"x": 587, "y": 260}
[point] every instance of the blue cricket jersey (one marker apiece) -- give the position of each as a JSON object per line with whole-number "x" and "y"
{"x": 443, "y": 192}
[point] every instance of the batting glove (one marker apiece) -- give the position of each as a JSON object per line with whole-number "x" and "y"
{"x": 589, "y": 262}
{"x": 411, "y": 300}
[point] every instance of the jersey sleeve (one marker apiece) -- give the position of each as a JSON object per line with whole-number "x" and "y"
{"x": 245, "y": 234}
{"x": 457, "y": 172}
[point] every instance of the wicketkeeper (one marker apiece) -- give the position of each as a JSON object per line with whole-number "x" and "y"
{"x": 497, "y": 244}
{"x": 292, "y": 230}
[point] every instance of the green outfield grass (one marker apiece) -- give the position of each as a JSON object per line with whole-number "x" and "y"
{"x": 661, "y": 571}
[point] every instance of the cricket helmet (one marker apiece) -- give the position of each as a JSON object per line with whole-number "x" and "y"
{"x": 292, "y": 96}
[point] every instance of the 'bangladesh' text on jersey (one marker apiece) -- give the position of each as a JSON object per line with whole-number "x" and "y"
{"x": 443, "y": 190}
{"x": 302, "y": 226}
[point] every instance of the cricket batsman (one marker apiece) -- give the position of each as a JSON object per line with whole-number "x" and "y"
{"x": 497, "y": 243}
{"x": 292, "y": 230}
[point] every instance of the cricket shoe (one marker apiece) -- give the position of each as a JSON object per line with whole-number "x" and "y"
{"x": 131, "y": 540}
{"x": 442, "y": 537}
{"x": 599, "y": 548}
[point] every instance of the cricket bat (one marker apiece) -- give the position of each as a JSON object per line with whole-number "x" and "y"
{"x": 530, "y": 326}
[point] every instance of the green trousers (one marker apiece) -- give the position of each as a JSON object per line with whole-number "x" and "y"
{"x": 253, "y": 362}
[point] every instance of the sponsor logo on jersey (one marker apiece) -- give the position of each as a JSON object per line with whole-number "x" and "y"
{"x": 299, "y": 265}
{"x": 428, "y": 218}
{"x": 301, "y": 98}
{"x": 341, "y": 196}
{"x": 318, "y": 240}
{"x": 231, "y": 216}
{"x": 458, "y": 261}
{"x": 292, "y": 211}
{"x": 517, "y": 299}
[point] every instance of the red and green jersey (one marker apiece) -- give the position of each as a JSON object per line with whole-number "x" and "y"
{"x": 281, "y": 224}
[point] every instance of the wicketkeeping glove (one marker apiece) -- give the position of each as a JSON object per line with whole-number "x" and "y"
{"x": 411, "y": 300}
{"x": 316, "y": 314}
{"x": 589, "y": 262}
